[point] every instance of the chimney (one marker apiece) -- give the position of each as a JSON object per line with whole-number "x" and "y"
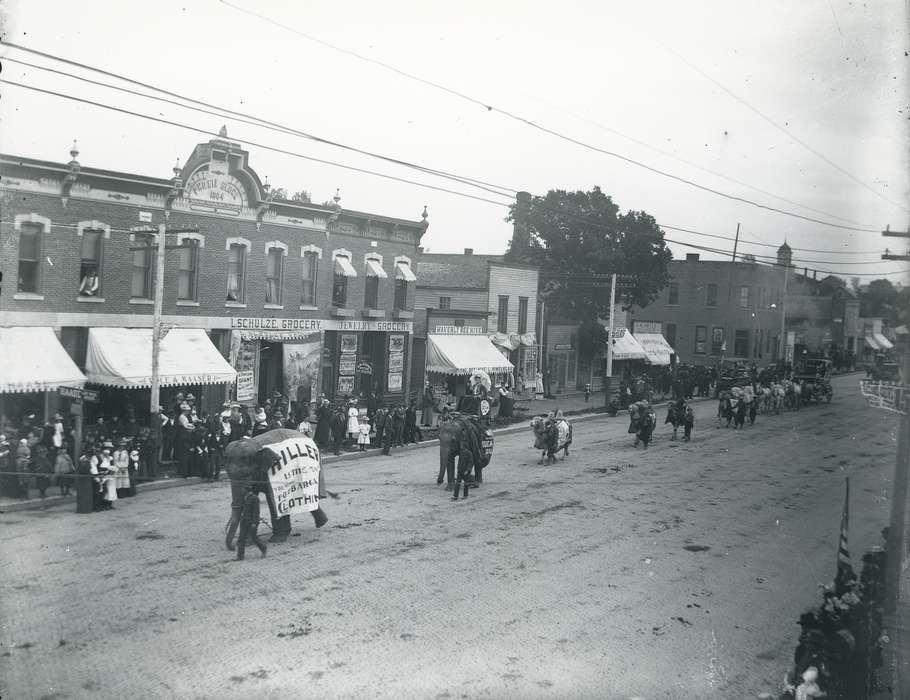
{"x": 692, "y": 257}
{"x": 469, "y": 251}
{"x": 420, "y": 250}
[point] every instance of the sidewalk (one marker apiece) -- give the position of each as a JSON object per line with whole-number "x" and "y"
{"x": 567, "y": 402}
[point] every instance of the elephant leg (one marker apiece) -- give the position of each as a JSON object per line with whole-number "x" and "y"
{"x": 241, "y": 540}
{"x": 236, "y": 508}
{"x": 478, "y": 474}
{"x": 319, "y": 517}
{"x": 442, "y": 467}
{"x": 450, "y": 471}
{"x": 281, "y": 526}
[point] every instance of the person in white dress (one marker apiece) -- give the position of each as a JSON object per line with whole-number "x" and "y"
{"x": 353, "y": 423}
{"x": 103, "y": 469}
{"x": 122, "y": 469}
{"x": 363, "y": 437}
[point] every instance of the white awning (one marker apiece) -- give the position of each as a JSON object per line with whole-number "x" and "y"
{"x": 32, "y": 359}
{"x": 883, "y": 341}
{"x": 374, "y": 269}
{"x": 505, "y": 340}
{"x": 122, "y": 357}
{"x": 657, "y": 347}
{"x": 343, "y": 267}
{"x": 870, "y": 343}
{"x": 462, "y": 354}
{"x": 626, "y": 347}
{"x": 403, "y": 272}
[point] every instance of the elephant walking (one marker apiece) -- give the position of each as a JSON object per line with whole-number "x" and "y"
{"x": 247, "y": 462}
{"x": 463, "y": 437}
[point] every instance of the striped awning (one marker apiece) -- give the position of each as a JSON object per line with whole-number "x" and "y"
{"x": 883, "y": 341}
{"x": 374, "y": 269}
{"x": 403, "y": 272}
{"x": 626, "y": 346}
{"x": 122, "y": 357}
{"x": 32, "y": 359}
{"x": 463, "y": 354}
{"x": 343, "y": 267}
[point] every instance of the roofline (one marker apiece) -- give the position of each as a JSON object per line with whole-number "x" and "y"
{"x": 431, "y": 311}
{"x": 520, "y": 266}
{"x": 454, "y": 289}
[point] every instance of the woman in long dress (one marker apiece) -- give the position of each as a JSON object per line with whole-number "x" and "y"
{"x": 353, "y": 422}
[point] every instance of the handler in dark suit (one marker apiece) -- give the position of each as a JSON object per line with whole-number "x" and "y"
{"x": 323, "y": 423}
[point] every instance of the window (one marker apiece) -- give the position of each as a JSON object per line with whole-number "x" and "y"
{"x": 308, "y": 290}
{"x": 90, "y": 263}
{"x": 717, "y": 341}
{"x": 741, "y": 344}
{"x": 401, "y": 295}
{"x": 339, "y": 290}
{"x": 701, "y": 339}
{"x": 673, "y": 294}
{"x": 445, "y": 303}
{"x": 711, "y": 295}
{"x": 236, "y": 273}
{"x": 459, "y": 323}
{"x": 502, "y": 318}
{"x": 744, "y": 297}
{"x": 522, "y": 314}
{"x": 274, "y": 262}
{"x": 371, "y": 292}
{"x": 186, "y": 270}
{"x": 670, "y": 334}
{"x": 141, "y": 278}
{"x": 29, "y": 257}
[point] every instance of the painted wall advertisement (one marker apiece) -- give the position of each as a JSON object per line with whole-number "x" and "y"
{"x": 294, "y": 475}
{"x": 301, "y": 368}
{"x": 244, "y": 357}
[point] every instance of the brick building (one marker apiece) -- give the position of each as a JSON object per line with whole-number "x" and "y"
{"x": 715, "y": 309}
{"x": 300, "y": 298}
{"x": 490, "y": 303}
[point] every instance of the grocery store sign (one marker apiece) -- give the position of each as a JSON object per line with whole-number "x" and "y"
{"x": 317, "y": 324}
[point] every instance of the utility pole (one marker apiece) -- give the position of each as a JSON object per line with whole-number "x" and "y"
{"x": 782, "y": 345}
{"x": 608, "y": 375}
{"x": 154, "y": 407}
{"x": 733, "y": 266}
{"x": 897, "y": 615}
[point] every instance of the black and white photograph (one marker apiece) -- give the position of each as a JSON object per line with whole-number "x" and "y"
{"x": 477, "y": 351}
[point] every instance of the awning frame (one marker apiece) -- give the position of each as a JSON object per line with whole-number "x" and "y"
{"x": 404, "y": 272}
{"x": 344, "y": 267}
{"x": 374, "y": 269}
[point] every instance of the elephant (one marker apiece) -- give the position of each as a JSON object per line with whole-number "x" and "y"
{"x": 465, "y": 437}
{"x": 247, "y": 462}
{"x": 551, "y": 435}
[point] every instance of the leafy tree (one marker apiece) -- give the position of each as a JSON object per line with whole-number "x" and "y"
{"x": 879, "y": 299}
{"x": 579, "y": 238}
{"x": 279, "y": 193}
{"x": 302, "y": 196}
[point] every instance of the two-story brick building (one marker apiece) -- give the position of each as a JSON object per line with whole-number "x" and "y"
{"x": 299, "y": 298}
{"x": 715, "y": 309}
{"x": 474, "y": 312}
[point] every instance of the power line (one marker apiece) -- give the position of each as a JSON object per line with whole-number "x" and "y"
{"x": 539, "y": 127}
{"x": 274, "y": 149}
{"x": 362, "y": 170}
{"x": 782, "y": 129}
{"x": 771, "y": 245}
{"x": 241, "y": 117}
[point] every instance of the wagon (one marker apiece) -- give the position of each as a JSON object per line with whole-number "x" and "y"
{"x": 815, "y": 378}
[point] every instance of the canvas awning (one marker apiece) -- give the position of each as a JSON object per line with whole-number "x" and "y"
{"x": 374, "y": 269}
{"x": 626, "y": 347}
{"x": 122, "y": 357}
{"x": 871, "y": 343}
{"x": 403, "y": 272}
{"x": 462, "y": 354}
{"x": 883, "y": 341}
{"x": 657, "y": 348}
{"x": 343, "y": 267}
{"x": 506, "y": 341}
{"x": 32, "y": 359}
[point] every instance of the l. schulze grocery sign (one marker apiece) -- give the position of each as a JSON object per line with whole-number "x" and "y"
{"x": 294, "y": 475}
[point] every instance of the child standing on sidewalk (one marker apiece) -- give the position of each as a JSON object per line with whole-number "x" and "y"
{"x": 363, "y": 437}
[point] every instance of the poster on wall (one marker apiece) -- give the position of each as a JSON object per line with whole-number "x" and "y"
{"x": 244, "y": 357}
{"x": 246, "y": 386}
{"x": 396, "y": 362}
{"x": 301, "y": 368}
{"x": 395, "y": 381}
{"x": 345, "y": 386}
{"x": 396, "y": 343}
{"x": 348, "y": 343}
{"x": 347, "y": 364}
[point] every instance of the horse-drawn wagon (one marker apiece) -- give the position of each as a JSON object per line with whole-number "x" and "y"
{"x": 815, "y": 380}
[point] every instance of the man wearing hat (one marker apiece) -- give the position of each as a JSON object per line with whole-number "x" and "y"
{"x": 183, "y": 431}
{"x": 9, "y": 483}
{"x": 261, "y": 422}
{"x": 323, "y": 423}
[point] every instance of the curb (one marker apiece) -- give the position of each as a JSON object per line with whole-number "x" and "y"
{"x": 54, "y": 501}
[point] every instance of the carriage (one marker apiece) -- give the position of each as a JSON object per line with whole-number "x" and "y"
{"x": 731, "y": 373}
{"x": 815, "y": 377}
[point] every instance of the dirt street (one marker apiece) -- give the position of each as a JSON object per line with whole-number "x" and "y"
{"x": 676, "y": 572}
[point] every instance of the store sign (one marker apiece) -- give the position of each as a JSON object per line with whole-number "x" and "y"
{"x": 364, "y": 368}
{"x": 563, "y": 346}
{"x": 395, "y": 381}
{"x": 458, "y": 330}
{"x": 396, "y": 343}
{"x": 242, "y": 323}
{"x": 646, "y": 327}
{"x": 347, "y": 364}
{"x": 79, "y": 394}
{"x": 396, "y": 362}
{"x": 246, "y": 386}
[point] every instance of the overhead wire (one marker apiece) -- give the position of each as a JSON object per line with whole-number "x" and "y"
{"x": 354, "y": 168}
{"x": 544, "y": 129}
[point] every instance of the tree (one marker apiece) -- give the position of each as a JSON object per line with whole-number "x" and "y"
{"x": 579, "y": 238}
{"x": 879, "y": 299}
{"x": 302, "y": 196}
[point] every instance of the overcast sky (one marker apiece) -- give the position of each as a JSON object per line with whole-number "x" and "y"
{"x": 637, "y": 78}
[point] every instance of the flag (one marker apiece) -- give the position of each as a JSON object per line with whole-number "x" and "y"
{"x": 844, "y": 569}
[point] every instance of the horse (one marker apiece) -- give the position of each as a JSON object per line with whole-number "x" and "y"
{"x": 676, "y": 415}
{"x": 646, "y": 423}
{"x": 793, "y": 395}
{"x": 725, "y": 408}
{"x": 550, "y": 436}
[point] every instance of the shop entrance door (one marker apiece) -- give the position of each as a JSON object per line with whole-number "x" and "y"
{"x": 271, "y": 369}
{"x": 561, "y": 370}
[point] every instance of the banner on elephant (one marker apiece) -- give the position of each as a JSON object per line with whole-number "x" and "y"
{"x": 294, "y": 475}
